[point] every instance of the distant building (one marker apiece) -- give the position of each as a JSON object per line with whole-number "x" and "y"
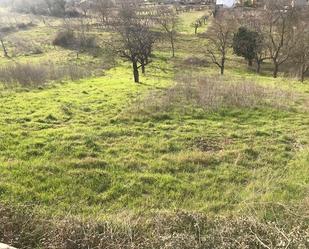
{"x": 233, "y": 3}
{"x": 294, "y": 3}
{"x": 299, "y": 3}
{"x": 226, "y": 3}
{"x": 184, "y": 2}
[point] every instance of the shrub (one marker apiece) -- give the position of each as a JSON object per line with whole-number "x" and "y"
{"x": 195, "y": 61}
{"x": 68, "y": 39}
{"x": 88, "y": 42}
{"x": 7, "y": 29}
{"x": 64, "y": 39}
{"x": 18, "y": 26}
{"x": 24, "y": 25}
{"x": 37, "y": 50}
{"x": 247, "y": 43}
{"x": 74, "y": 72}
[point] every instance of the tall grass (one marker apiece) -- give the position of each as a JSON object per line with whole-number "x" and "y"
{"x": 213, "y": 94}
{"x": 33, "y": 75}
{"x": 287, "y": 228}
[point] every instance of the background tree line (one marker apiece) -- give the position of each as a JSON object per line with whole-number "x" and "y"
{"x": 279, "y": 33}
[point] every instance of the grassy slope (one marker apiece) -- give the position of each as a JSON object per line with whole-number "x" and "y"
{"x": 23, "y": 45}
{"x": 76, "y": 147}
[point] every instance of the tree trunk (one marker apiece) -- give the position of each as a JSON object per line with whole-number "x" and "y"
{"x": 250, "y": 62}
{"x": 258, "y": 66}
{"x": 143, "y": 66}
{"x": 135, "y": 72}
{"x": 302, "y": 79}
{"x": 222, "y": 66}
{"x": 302, "y": 73}
{"x": 276, "y": 70}
{"x": 4, "y": 48}
{"x": 173, "y": 45}
{"x": 222, "y": 70}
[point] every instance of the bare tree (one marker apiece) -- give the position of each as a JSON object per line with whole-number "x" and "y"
{"x": 261, "y": 54}
{"x": 279, "y": 32}
{"x": 199, "y": 23}
{"x": 103, "y": 9}
{"x": 133, "y": 39}
{"x": 5, "y": 52}
{"x": 4, "y": 30}
{"x": 145, "y": 48}
{"x": 168, "y": 19}
{"x": 219, "y": 35}
{"x": 85, "y": 7}
{"x": 55, "y": 7}
{"x": 300, "y": 52}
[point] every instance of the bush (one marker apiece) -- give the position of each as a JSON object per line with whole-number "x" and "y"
{"x": 18, "y": 26}
{"x": 195, "y": 61}
{"x": 37, "y": 50}
{"x": 7, "y": 29}
{"x": 68, "y": 39}
{"x": 64, "y": 39}
{"x": 247, "y": 43}
{"x": 88, "y": 42}
{"x": 75, "y": 72}
{"x": 22, "y": 26}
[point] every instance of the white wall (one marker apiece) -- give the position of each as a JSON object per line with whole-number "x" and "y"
{"x": 226, "y": 2}
{"x": 301, "y": 2}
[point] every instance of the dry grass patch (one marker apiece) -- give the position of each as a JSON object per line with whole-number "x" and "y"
{"x": 27, "y": 75}
{"x": 287, "y": 228}
{"x": 213, "y": 94}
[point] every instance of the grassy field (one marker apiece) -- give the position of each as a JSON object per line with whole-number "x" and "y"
{"x": 97, "y": 147}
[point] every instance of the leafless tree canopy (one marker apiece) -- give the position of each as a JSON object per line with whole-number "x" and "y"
{"x": 279, "y": 32}
{"x": 134, "y": 38}
{"x": 219, "y": 35}
{"x": 300, "y": 51}
{"x": 168, "y": 20}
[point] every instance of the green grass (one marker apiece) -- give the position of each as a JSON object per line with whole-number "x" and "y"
{"x": 187, "y": 20}
{"x": 22, "y": 45}
{"x": 77, "y": 147}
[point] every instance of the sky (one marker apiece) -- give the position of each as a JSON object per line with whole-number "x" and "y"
{"x": 226, "y": 2}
